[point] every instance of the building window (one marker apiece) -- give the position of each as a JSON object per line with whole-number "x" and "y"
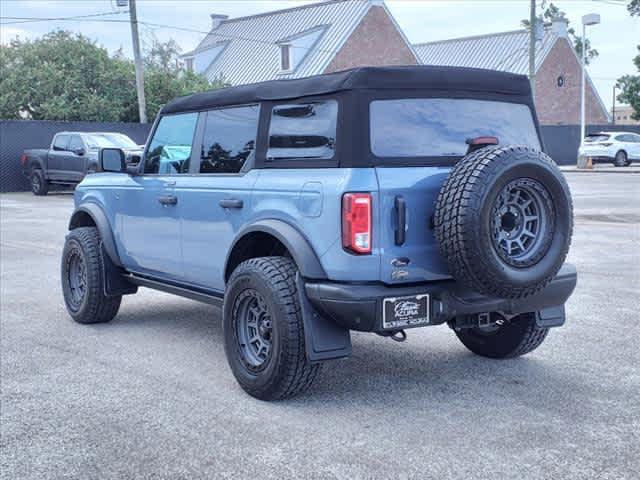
{"x": 560, "y": 81}
{"x": 188, "y": 64}
{"x": 285, "y": 58}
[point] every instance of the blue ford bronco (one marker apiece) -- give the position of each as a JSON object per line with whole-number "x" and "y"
{"x": 374, "y": 199}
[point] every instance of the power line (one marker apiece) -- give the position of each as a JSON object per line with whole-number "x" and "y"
{"x": 52, "y": 19}
{"x": 161, "y": 25}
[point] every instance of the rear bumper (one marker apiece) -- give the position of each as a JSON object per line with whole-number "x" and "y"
{"x": 359, "y": 306}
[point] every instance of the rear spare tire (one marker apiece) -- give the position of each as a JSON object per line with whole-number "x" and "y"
{"x": 504, "y": 220}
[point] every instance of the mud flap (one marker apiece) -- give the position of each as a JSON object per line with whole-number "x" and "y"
{"x": 324, "y": 339}
{"x": 550, "y": 317}
{"x": 114, "y": 281}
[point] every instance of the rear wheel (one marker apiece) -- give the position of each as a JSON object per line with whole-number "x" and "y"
{"x": 517, "y": 337}
{"x": 620, "y": 159}
{"x": 39, "y": 184}
{"x": 263, "y": 330}
{"x": 83, "y": 278}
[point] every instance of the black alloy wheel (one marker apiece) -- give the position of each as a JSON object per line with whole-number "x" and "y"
{"x": 523, "y": 216}
{"x": 253, "y": 329}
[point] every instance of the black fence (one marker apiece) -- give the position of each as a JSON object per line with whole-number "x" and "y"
{"x": 19, "y": 135}
{"x": 561, "y": 142}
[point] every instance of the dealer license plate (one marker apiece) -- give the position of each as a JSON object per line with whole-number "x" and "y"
{"x": 403, "y": 312}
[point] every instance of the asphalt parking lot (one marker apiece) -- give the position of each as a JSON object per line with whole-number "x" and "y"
{"x": 150, "y": 394}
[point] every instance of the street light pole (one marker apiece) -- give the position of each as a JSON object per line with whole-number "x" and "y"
{"x": 589, "y": 19}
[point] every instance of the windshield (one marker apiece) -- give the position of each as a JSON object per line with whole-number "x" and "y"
{"x": 106, "y": 140}
{"x": 439, "y": 127}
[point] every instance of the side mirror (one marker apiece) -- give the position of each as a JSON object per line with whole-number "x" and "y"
{"x": 79, "y": 151}
{"x": 112, "y": 160}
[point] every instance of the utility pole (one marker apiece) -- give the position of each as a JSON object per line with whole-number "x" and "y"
{"x": 142, "y": 104}
{"x": 613, "y": 107}
{"x": 532, "y": 47}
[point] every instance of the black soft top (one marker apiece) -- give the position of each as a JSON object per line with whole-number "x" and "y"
{"x": 454, "y": 79}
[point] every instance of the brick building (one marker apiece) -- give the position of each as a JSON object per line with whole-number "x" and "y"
{"x": 302, "y": 41}
{"x": 558, "y": 68}
{"x": 340, "y": 34}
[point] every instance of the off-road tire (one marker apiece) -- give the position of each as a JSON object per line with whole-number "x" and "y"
{"x": 287, "y": 371}
{"x": 621, "y": 159}
{"x": 94, "y": 306}
{"x": 513, "y": 339}
{"x": 39, "y": 184}
{"x": 463, "y": 217}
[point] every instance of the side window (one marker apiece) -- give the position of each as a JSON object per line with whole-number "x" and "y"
{"x": 229, "y": 139}
{"x": 170, "y": 148}
{"x": 75, "y": 143}
{"x": 60, "y": 143}
{"x": 303, "y": 130}
{"x": 622, "y": 138}
{"x": 635, "y": 138}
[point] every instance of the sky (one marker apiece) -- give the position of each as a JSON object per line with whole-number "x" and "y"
{"x": 186, "y": 21}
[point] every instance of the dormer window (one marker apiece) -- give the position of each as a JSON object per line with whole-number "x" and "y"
{"x": 285, "y": 57}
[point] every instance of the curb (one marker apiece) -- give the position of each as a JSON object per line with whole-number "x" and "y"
{"x": 617, "y": 171}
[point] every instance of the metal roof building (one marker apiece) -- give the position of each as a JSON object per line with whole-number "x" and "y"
{"x": 506, "y": 51}
{"x": 250, "y": 49}
{"x": 509, "y": 52}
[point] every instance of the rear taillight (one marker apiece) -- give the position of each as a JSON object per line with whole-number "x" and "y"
{"x": 606, "y": 144}
{"x": 23, "y": 159}
{"x": 356, "y": 222}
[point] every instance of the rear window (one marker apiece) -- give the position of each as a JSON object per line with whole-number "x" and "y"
{"x": 439, "y": 127}
{"x": 303, "y": 131}
{"x": 596, "y": 138}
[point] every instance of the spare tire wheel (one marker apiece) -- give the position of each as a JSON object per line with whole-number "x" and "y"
{"x": 504, "y": 220}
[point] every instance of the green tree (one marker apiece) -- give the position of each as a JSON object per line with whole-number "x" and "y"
{"x": 66, "y": 76}
{"x": 629, "y": 86}
{"x": 552, "y": 12}
{"x": 166, "y": 79}
{"x": 63, "y": 76}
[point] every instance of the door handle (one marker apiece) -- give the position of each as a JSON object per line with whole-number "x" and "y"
{"x": 168, "y": 200}
{"x": 231, "y": 203}
{"x": 401, "y": 218}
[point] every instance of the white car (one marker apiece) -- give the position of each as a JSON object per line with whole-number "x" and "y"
{"x": 619, "y": 148}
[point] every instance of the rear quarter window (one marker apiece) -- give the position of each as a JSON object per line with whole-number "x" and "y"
{"x": 303, "y": 131}
{"x": 439, "y": 127}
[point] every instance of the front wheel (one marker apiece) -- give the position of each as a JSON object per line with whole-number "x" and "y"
{"x": 264, "y": 332}
{"x": 517, "y": 337}
{"x": 83, "y": 278}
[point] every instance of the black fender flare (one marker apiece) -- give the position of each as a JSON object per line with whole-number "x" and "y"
{"x": 303, "y": 254}
{"x": 103, "y": 226}
{"x": 36, "y": 163}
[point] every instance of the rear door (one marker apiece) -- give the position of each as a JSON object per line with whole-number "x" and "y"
{"x": 414, "y": 142}
{"x": 56, "y": 156}
{"x": 214, "y": 200}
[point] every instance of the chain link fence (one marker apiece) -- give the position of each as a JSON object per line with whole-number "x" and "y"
{"x": 19, "y": 135}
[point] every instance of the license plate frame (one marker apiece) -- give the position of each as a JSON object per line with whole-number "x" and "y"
{"x": 406, "y": 311}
